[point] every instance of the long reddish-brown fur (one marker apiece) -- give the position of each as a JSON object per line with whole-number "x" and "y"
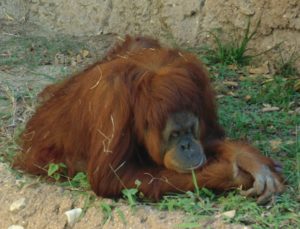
{"x": 95, "y": 121}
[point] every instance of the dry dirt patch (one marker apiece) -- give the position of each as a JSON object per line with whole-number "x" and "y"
{"x": 43, "y": 206}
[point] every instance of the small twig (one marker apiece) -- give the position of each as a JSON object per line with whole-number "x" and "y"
{"x": 120, "y": 166}
{"x": 10, "y": 34}
{"x": 120, "y": 38}
{"x": 163, "y": 179}
{"x": 30, "y": 134}
{"x": 123, "y": 57}
{"x": 107, "y": 141}
{"x": 180, "y": 54}
{"x": 101, "y": 74}
{"x": 117, "y": 176}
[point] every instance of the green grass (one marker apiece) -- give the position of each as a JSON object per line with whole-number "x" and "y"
{"x": 286, "y": 65}
{"x": 33, "y": 51}
{"x": 242, "y": 119}
{"x": 234, "y": 51}
{"x": 246, "y": 120}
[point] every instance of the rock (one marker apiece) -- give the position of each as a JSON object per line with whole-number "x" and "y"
{"x": 231, "y": 83}
{"x": 268, "y": 108}
{"x": 247, "y": 98}
{"x": 73, "y": 215}
{"x": 17, "y": 205}
{"x": 15, "y": 227}
{"x": 228, "y": 214}
{"x": 263, "y": 69}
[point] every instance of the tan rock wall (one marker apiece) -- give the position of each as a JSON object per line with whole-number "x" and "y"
{"x": 180, "y": 21}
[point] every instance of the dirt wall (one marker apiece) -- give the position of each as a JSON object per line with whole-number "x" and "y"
{"x": 178, "y": 21}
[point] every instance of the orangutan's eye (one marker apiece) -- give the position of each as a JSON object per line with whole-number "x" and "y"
{"x": 174, "y": 134}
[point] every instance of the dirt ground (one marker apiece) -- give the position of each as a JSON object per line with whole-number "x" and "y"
{"x": 27, "y": 202}
{"x": 44, "y": 206}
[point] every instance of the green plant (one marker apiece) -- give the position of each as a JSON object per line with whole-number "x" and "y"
{"x": 286, "y": 66}
{"x": 56, "y": 170}
{"x": 232, "y": 52}
{"x": 80, "y": 181}
{"x": 131, "y": 194}
{"x": 106, "y": 211}
{"x": 194, "y": 203}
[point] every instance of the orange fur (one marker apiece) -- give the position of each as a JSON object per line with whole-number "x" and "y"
{"x": 95, "y": 122}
